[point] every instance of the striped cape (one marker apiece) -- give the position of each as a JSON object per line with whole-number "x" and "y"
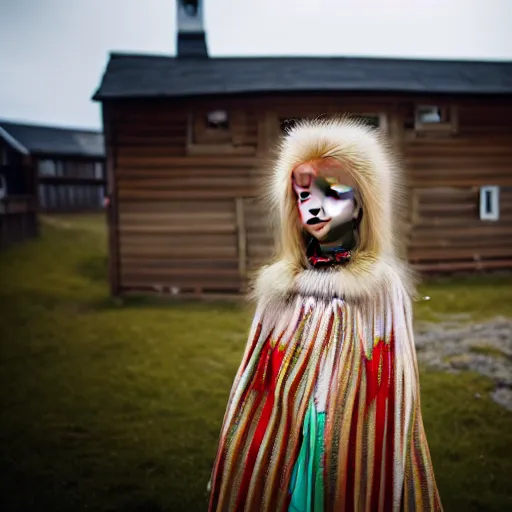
{"x": 324, "y": 413}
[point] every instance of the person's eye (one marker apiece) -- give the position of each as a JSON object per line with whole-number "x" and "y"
{"x": 304, "y": 196}
{"x": 332, "y": 193}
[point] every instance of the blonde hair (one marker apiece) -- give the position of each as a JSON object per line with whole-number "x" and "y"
{"x": 359, "y": 151}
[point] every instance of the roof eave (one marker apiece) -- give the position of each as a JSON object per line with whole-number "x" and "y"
{"x": 67, "y": 155}
{"x": 102, "y": 97}
{"x": 12, "y": 142}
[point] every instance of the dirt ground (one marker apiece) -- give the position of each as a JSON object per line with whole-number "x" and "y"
{"x": 455, "y": 344}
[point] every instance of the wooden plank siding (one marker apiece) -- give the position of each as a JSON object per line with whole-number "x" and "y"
{"x": 62, "y": 194}
{"x": 259, "y": 234}
{"x": 113, "y": 205}
{"x": 70, "y": 183}
{"x": 445, "y": 175}
{"x": 19, "y": 208}
{"x": 186, "y": 216}
{"x": 18, "y": 220}
{"x": 178, "y": 222}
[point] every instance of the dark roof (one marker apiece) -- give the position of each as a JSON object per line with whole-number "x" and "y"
{"x": 53, "y": 140}
{"x": 145, "y": 76}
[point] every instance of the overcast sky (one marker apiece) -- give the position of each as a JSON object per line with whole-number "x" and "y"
{"x": 53, "y": 52}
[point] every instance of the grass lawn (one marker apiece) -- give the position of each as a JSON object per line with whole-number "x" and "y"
{"x": 117, "y": 407}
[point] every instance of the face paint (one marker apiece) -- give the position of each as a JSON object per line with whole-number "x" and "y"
{"x": 326, "y": 208}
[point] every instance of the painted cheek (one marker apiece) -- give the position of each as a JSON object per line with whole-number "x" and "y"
{"x": 334, "y": 207}
{"x": 302, "y": 213}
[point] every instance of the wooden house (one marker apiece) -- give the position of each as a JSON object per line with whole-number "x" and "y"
{"x": 18, "y": 193}
{"x": 187, "y": 138}
{"x": 70, "y": 164}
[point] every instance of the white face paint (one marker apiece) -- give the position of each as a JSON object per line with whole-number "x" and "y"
{"x": 324, "y": 206}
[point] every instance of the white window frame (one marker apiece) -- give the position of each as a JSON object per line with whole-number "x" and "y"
{"x": 493, "y": 192}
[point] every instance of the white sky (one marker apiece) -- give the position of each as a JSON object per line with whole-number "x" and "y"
{"x": 53, "y": 52}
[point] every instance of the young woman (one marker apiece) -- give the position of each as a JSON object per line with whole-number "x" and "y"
{"x": 324, "y": 413}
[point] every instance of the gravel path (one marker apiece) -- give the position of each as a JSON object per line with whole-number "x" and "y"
{"x": 455, "y": 343}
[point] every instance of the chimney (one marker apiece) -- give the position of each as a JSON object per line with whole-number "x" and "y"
{"x": 191, "y": 36}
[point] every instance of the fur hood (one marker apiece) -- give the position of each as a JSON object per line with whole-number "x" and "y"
{"x": 365, "y": 154}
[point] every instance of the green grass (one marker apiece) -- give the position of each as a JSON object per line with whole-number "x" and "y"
{"x": 111, "y": 406}
{"x": 478, "y": 296}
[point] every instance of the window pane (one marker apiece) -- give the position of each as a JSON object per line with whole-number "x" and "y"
{"x": 98, "y": 170}
{"x": 218, "y": 119}
{"x": 46, "y": 168}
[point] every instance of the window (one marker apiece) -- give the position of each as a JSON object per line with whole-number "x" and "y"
{"x": 490, "y": 203}
{"x": 428, "y": 118}
{"x": 98, "y": 170}
{"x": 211, "y": 128}
{"x": 430, "y": 114}
{"x": 217, "y": 120}
{"x": 372, "y": 120}
{"x": 219, "y": 131}
{"x": 46, "y": 168}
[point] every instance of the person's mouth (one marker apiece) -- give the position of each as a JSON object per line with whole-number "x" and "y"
{"x": 317, "y": 223}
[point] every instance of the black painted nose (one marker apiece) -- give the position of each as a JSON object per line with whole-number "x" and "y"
{"x": 314, "y": 211}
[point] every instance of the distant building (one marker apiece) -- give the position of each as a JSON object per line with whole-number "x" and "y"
{"x": 187, "y": 137}
{"x": 70, "y": 164}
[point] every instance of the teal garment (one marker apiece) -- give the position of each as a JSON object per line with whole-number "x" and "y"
{"x": 307, "y": 482}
